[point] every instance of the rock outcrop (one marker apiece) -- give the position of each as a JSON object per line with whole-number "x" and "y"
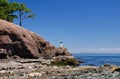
{"x": 16, "y": 40}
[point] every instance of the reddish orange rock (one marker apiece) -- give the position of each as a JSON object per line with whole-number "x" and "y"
{"x": 26, "y": 44}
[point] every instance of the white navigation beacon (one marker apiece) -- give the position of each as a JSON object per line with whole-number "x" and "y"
{"x": 61, "y": 44}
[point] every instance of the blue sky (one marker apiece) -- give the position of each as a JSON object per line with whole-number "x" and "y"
{"x": 82, "y": 25}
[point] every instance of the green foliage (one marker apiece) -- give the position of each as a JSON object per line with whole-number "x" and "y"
{"x": 23, "y": 12}
{"x": 8, "y": 9}
{"x": 65, "y": 62}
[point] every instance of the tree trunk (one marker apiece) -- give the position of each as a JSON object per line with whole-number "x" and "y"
{"x": 20, "y": 17}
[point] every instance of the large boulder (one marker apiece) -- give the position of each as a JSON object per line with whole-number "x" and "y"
{"x": 26, "y": 44}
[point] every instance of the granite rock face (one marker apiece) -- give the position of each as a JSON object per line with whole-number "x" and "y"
{"x": 15, "y": 40}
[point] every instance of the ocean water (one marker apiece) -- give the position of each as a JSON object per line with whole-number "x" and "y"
{"x": 94, "y": 59}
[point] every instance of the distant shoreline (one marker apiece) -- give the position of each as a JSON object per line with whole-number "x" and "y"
{"x": 97, "y": 54}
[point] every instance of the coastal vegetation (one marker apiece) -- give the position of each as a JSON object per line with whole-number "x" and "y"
{"x": 10, "y": 11}
{"x": 64, "y": 61}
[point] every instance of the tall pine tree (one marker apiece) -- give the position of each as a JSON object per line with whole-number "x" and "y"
{"x": 23, "y": 12}
{"x": 8, "y": 9}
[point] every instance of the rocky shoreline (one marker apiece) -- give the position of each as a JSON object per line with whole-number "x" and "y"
{"x": 39, "y": 69}
{"x": 47, "y": 61}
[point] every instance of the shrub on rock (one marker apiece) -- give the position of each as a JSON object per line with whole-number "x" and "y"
{"x": 64, "y": 61}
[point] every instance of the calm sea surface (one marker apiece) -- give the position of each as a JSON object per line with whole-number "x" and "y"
{"x": 98, "y": 59}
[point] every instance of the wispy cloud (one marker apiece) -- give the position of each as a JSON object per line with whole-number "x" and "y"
{"x": 101, "y": 50}
{"x": 110, "y": 49}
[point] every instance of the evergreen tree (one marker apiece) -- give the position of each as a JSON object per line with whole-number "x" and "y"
{"x": 8, "y": 9}
{"x": 23, "y": 12}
